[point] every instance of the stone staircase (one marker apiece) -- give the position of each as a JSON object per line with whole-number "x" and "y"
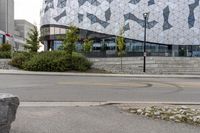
{"x": 154, "y": 65}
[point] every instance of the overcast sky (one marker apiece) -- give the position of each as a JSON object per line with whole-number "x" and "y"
{"x": 28, "y": 10}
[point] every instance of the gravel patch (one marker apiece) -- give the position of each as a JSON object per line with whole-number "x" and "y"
{"x": 179, "y": 114}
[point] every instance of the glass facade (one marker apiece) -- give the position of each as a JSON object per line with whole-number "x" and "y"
{"x": 1, "y": 39}
{"x": 105, "y": 45}
{"x": 57, "y": 45}
{"x": 52, "y": 30}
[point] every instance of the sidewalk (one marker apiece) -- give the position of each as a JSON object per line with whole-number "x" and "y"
{"x": 105, "y": 119}
{"x": 21, "y": 72}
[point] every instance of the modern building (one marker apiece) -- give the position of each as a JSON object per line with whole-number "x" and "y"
{"x": 7, "y": 16}
{"x": 2, "y": 37}
{"x": 15, "y": 30}
{"x": 173, "y": 27}
{"x": 22, "y": 28}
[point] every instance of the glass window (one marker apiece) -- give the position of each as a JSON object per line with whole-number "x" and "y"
{"x": 46, "y": 31}
{"x": 62, "y": 31}
{"x": 57, "y": 44}
{"x": 42, "y": 32}
{"x": 57, "y": 30}
{"x": 52, "y": 31}
{"x": 1, "y": 39}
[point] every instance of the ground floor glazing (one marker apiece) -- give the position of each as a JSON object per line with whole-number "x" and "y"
{"x": 105, "y": 45}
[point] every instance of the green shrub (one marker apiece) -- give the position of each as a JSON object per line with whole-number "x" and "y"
{"x": 54, "y": 61}
{"x": 5, "y": 54}
{"x": 48, "y": 61}
{"x": 19, "y": 58}
{"x": 80, "y": 63}
{"x": 5, "y": 47}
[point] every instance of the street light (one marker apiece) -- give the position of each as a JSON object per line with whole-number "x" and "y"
{"x": 6, "y": 6}
{"x": 146, "y": 16}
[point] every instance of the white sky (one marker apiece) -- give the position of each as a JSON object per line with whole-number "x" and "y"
{"x": 28, "y": 10}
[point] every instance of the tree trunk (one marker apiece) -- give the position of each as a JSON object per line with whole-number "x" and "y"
{"x": 121, "y": 64}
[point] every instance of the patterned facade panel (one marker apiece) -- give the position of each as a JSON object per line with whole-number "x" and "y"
{"x": 170, "y": 21}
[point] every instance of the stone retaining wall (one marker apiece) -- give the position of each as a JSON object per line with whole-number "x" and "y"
{"x": 4, "y": 64}
{"x": 154, "y": 65}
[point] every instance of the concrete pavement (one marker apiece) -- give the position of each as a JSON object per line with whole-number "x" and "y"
{"x": 107, "y": 119}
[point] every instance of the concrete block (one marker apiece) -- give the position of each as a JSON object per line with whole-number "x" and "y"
{"x": 8, "y": 109}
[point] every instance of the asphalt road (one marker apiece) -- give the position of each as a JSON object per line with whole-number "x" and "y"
{"x": 91, "y": 120}
{"x": 98, "y": 119}
{"x": 99, "y": 89}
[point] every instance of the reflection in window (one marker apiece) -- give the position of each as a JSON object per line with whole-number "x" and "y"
{"x": 1, "y": 39}
{"x": 57, "y": 45}
{"x": 57, "y": 30}
{"x": 62, "y": 31}
{"x": 52, "y": 31}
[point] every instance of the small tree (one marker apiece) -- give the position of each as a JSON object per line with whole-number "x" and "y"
{"x": 70, "y": 40}
{"x": 61, "y": 47}
{"x": 104, "y": 47}
{"x": 33, "y": 40}
{"x": 121, "y": 45}
{"x": 87, "y": 46}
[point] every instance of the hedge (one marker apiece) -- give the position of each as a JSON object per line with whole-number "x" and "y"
{"x": 54, "y": 61}
{"x": 5, "y": 55}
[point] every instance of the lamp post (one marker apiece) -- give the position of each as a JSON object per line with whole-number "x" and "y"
{"x": 6, "y": 14}
{"x": 146, "y": 16}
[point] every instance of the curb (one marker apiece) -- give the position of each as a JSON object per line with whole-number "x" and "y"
{"x": 146, "y": 102}
{"x": 7, "y": 72}
{"x": 61, "y": 104}
{"x": 90, "y": 104}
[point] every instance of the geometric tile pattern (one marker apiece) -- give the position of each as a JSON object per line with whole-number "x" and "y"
{"x": 126, "y": 27}
{"x": 151, "y": 2}
{"x": 191, "y": 18}
{"x": 61, "y": 3}
{"x": 94, "y": 19}
{"x": 170, "y": 21}
{"x": 49, "y": 4}
{"x": 80, "y": 17}
{"x": 63, "y": 14}
{"x": 92, "y": 2}
{"x": 134, "y": 1}
{"x": 141, "y": 22}
{"x": 166, "y": 13}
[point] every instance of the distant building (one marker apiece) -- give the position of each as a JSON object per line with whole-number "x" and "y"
{"x": 7, "y": 16}
{"x": 22, "y": 28}
{"x": 17, "y": 30}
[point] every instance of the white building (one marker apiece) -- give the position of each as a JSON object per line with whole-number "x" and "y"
{"x": 7, "y": 16}
{"x": 173, "y": 26}
{"x": 17, "y": 30}
{"x": 22, "y": 28}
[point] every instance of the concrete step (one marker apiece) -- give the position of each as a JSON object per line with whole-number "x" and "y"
{"x": 155, "y": 66}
